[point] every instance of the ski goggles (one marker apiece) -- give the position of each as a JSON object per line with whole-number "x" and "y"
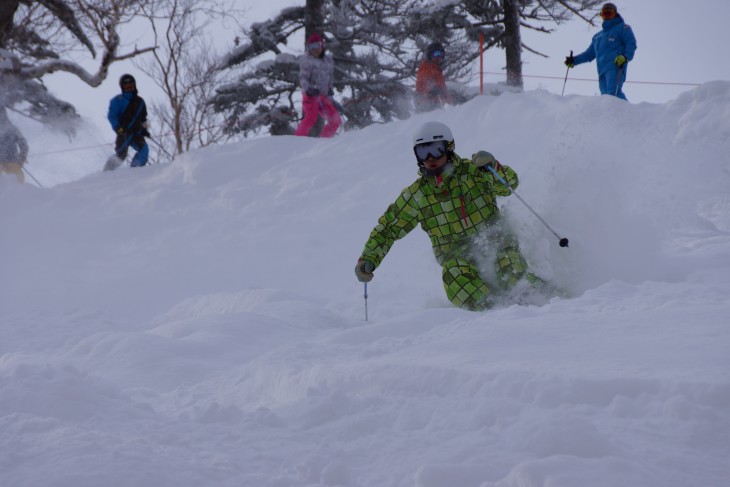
{"x": 437, "y": 53}
{"x": 315, "y": 45}
{"x": 608, "y": 14}
{"x": 434, "y": 149}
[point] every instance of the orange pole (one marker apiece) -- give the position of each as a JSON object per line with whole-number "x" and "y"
{"x": 481, "y": 63}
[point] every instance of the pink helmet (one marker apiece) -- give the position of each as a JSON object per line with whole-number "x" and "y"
{"x": 314, "y": 38}
{"x": 314, "y": 43}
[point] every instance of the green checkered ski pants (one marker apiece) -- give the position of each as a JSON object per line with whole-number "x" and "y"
{"x": 465, "y": 287}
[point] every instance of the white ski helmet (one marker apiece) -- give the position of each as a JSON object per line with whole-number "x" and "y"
{"x": 430, "y": 131}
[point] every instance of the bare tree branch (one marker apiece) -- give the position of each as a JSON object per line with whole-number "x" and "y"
{"x": 64, "y": 13}
{"x": 185, "y": 68}
{"x": 70, "y": 67}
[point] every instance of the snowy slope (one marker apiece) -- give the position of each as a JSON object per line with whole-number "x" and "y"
{"x": 199, "y": 324}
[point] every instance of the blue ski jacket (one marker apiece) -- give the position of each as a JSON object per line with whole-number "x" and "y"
{"x": 615, "y": 38}
{"x": 117, "y": 107}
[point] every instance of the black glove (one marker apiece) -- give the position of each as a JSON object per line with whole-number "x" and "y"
{"x": 364, "y": 270}
{"x": 312, "y": 92}
{"x": 570, "y": 61}
{"x": 145, "y": 133}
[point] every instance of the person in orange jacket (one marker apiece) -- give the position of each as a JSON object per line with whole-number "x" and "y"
{"x": 431, "y": 91}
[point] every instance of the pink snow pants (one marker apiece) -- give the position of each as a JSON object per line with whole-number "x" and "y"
{"x": 313, "y": 107}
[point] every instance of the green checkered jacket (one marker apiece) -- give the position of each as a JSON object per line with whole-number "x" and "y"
{"x": 450, "y": 211}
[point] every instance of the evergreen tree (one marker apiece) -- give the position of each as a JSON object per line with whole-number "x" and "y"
{"x": 376, "y": 46}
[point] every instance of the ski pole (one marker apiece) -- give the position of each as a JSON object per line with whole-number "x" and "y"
{"x": 566, "y": 74}
{"x": 159, "y": 146}
{"x": 33, "y": 177}
{"x": 618, "y": 79}
{"x": 366, "y": 301}
{"x": 562, "y": 241}
{"x": 337, "y": 105}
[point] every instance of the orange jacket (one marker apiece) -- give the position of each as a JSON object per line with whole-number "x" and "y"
{"x": 430, "y": 81}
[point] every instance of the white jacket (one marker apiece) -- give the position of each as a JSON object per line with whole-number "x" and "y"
{"x": 316, "y": 72}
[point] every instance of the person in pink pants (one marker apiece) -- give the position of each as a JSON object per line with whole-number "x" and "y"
{"x": 316, "y": 77}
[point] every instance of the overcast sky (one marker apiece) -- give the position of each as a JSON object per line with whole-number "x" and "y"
{"x": 678, "y": 42}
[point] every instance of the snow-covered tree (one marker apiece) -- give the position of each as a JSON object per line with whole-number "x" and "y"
{"x": 40, "y": 37}
{"x": 376, "y": 45}
{"x": 262, "y": 94}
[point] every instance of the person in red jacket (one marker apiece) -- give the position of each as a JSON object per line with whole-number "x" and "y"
{"x": 431, "y": 92}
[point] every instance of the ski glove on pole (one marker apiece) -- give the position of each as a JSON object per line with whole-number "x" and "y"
{"x": 484, "y": 158}
{"x": 570, "y": 61}
{"x": 312, "y": 92}
{"x": 364, "y": 270}
{"x": 620, "y": 60}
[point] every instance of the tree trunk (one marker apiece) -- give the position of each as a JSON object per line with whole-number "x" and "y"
{"x": 7, "y": 12}
{"x": 512, "y": 42}
{"x": 313, "y": 18}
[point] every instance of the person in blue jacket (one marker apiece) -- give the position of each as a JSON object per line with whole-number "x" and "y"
{"x": 128, "y": 117}
{"x": 612, "y": 48}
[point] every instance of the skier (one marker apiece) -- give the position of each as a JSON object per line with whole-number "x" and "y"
{"x": 316, "y": 77}
{"x": 431, "y": 92}
{"x": 128, "y": 117}
{"x": 13, "y": 148}
{"x": 454, "y": 200}
{"x": 612, "y": 48}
